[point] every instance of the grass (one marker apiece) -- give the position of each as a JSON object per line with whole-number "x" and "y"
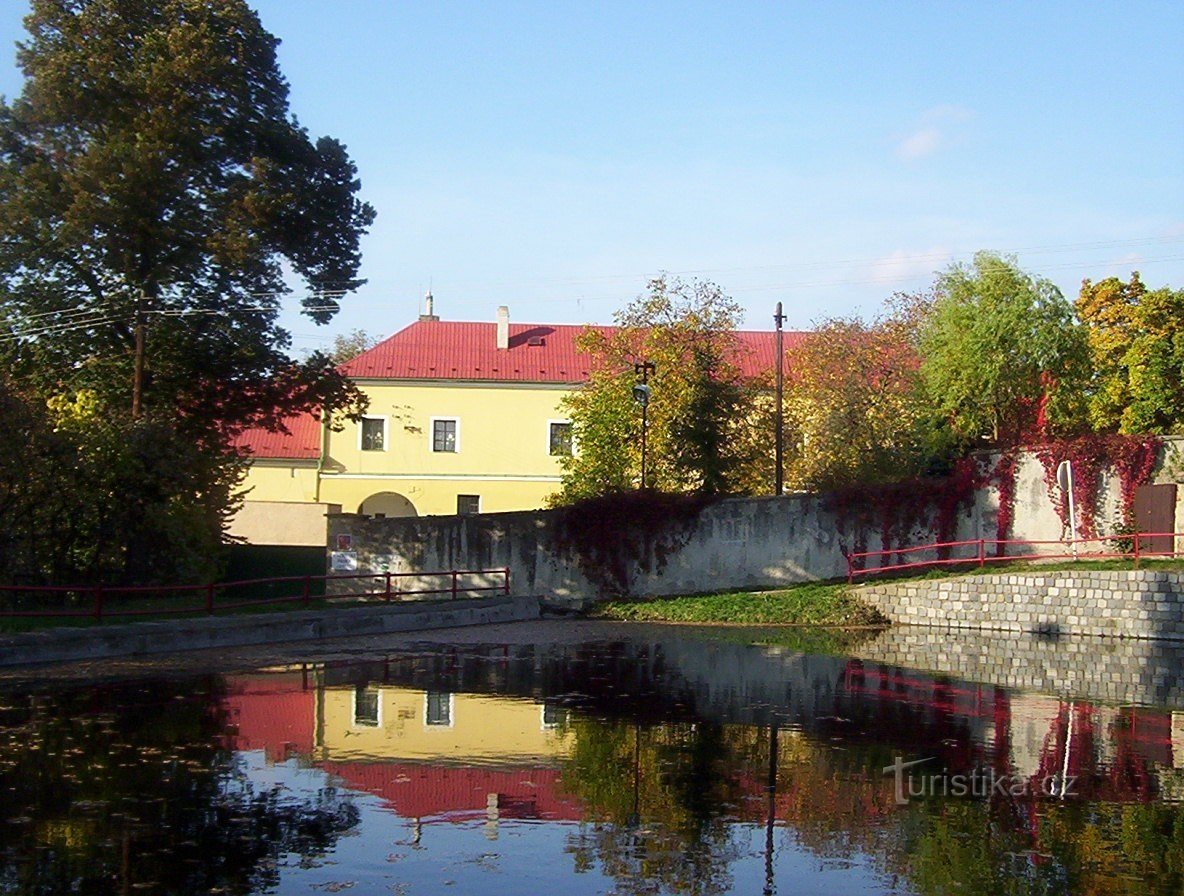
{"x": 829, "y": 604}
{"x": 834, "y": 604}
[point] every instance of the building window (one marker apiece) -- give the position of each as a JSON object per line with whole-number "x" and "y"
{"x": 559, "y": 438}
{"x": 366, "y": 706}
{"x": 446, "y": 434}
{"x": 372, "y": 434}
{"x": 439, "y": 708}
{"x": 466, "y": 504}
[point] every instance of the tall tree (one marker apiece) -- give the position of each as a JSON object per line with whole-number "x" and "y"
{"x": 1136, "y": 341}
{"x": 153, "y": 185}
{"x": 699, "y": 400}
{"x": 1001, "y": 353}
{"x": 855, "y": 408}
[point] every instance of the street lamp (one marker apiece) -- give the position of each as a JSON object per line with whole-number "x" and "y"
{"x": 641, "y": 394}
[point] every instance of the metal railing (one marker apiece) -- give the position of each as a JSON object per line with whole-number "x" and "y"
{"x": 1134, "y": 546}
{"x": 100, "y": 602}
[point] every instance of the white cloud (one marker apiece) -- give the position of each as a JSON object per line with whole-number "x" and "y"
{"x": 933, "y": 131}
{"x": 901, "y": 267}
{"x": 919, "y": 144}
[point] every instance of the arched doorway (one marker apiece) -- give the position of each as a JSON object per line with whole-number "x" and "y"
{"x": 387, "y": 504}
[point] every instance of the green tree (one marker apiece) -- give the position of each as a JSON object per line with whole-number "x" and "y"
{"x": 1136, "y": 342}
{"x": 153, "y": 185}
{"x": 347, "y": 346}
{"x": 1002, "y": 357}
{"x": 699, "y": 405}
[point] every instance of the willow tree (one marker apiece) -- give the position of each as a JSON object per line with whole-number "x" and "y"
{"x": 154, "y": 187}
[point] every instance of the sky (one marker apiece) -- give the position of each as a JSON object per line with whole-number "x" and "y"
{"x": 555, "y": 156}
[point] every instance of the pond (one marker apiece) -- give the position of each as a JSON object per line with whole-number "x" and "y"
{"x": 625, "y": 760}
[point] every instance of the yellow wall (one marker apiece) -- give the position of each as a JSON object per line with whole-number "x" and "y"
{"x": 489, "y": 729}
{"x": 503, "y": 454}
{"x": 274, "y": 480}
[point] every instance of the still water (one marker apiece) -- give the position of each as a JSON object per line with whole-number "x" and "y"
{"x": 637, "y": 760}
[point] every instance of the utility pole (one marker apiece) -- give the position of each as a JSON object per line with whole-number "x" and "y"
{"x": 138, "y": 367}
{"x": 641, "y": 394}
{"x": 779, "y": 435}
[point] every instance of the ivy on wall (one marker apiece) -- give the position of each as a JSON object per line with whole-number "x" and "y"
{"x": 1131, "y": 458}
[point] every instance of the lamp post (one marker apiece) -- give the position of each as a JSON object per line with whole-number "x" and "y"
{"x": 779, "y": 435}
{"x": 641, "y": 394}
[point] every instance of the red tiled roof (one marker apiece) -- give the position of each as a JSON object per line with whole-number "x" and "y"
{"x": 467, "y": 351}
{"x": 538, "y": 353}
{"x": 301, "y": 441}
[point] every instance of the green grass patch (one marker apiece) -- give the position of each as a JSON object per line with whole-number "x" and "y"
{"x": 806, "y": 604}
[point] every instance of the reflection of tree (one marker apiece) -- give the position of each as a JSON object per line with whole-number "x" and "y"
{"x": 656, "y": 799}
{"x": 117, "y": 788}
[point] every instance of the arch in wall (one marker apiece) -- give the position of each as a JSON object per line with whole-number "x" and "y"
{"x": 387, "y": 504}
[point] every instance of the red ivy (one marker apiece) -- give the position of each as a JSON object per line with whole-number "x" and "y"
{"x": 1132, "y": 458}
{"x": 1004, "y": 478}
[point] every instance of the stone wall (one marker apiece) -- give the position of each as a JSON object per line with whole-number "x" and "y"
{"x": 1132, "y": 604}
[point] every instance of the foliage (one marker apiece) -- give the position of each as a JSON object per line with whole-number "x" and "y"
{"x": 348, "y": 346}
{"x": 150, "y": 170}
{"x": 808, "y": 604}
{"x": 1136, "y": 341}
{"x": 88, "y": 498}
{"x": 1131, "y": 458}
{"x": 1002, "y": 357}
{"x": 699, "y": 402}
{"x": 854, "y": 407}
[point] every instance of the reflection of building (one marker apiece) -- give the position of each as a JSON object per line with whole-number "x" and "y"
{"x": 428, "y": 754}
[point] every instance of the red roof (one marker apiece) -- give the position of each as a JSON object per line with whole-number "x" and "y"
{"x": 467, "y": 351}
{"x": 301, "y": 441}
{"x": 538, "y": 353}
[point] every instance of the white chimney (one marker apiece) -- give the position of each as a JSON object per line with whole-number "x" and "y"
{"x": 429, "y": 305}
{"x": 503, "y": 327}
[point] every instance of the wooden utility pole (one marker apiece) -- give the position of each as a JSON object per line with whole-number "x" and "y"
{"x": 779, "y": 435}
{"x": 138, "y": 367}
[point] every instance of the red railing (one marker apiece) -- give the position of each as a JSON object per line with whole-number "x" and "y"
{"x": 1135, "y": 546}
{"x": 108, "y": 601}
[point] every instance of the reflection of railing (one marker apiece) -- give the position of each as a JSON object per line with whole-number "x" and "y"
{"x": 1134, "y": 546}
{"x": 106, "y": 601}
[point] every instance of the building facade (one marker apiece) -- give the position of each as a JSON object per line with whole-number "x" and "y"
{"x": 464, "y": 417}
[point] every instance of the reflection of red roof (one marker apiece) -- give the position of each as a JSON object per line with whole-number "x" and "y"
{"x": 301, "y": 441}
{"x": 426, "y": 791}
{"x": 272, "y": 713}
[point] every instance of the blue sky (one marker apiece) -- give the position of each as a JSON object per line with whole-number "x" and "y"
{"x": 554, "y": 156}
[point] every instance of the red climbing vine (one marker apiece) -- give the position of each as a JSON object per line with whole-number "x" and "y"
{"x": 1131, "y": 458}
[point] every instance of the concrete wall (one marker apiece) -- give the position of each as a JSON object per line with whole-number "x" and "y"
{"x": 1132, "y": 604}
{"x": 737, "y": 543}
{"x": 292, "y": 523}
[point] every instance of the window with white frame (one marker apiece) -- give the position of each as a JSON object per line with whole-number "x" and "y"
{"x": 445, "y": 435}
{"x": 372, "y": 434}
{"x": 367, "y": 707}
{"x": 438, "y": 708}
{"x": 559, "y": 442}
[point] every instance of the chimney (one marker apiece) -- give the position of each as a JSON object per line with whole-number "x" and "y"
{"x": 429, "y": 305}
{"x": 503, "y": 327}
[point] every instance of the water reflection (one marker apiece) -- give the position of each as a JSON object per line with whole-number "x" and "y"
{"x": 679, "y": 763}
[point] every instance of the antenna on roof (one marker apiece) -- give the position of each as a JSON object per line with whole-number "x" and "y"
{"x": 429, "y": 305}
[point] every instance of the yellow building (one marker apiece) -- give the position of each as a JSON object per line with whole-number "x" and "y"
{"x": 464, "y": 417}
